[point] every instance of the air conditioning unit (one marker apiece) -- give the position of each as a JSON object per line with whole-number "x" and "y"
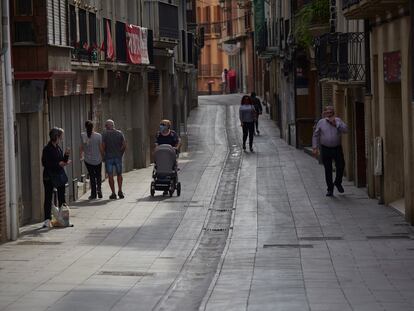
{"x": 162, "y": 18}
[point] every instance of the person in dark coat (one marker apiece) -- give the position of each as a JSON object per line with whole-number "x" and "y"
{"x": 247, "y": 116}
{"x": 54, "y": 175}
{"x": 258, "y": 108}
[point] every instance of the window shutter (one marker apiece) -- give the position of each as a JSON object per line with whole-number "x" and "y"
{"x": 57, "y": 22}
{"x": 50, "y": 22}
{"x": 63, "y": 23}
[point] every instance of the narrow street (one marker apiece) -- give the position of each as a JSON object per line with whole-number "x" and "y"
{"x": 250, "y": 231}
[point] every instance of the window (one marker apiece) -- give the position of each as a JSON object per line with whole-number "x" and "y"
{"x": 183, "y": 46}
{"x": 83, "y": 30}
{"x": 72, "y": 25}
{"x": 92, "y": 30}
{"x": 23, "y": 8}
{"x": 24, "y": 32}
{"x": 120, "y": 42}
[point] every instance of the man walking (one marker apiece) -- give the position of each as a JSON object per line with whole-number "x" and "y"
{"x": 258, "y": 108}
{"x": 327, "y": 138}
{"x": 224, "y": 81}
{"x": 113, "y": 146}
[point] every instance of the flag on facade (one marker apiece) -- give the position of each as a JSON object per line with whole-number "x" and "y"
{"x": 110, "y": 53}
{"x": 136, "y": 42}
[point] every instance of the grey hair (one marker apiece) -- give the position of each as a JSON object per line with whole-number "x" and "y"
{"x": 110, "y": 122}
{"x": 55, "y": 133}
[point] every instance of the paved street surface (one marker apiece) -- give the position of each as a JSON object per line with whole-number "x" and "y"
{"x": 250, "y": 231}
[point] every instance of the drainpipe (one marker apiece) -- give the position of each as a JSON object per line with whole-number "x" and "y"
{"x": 11, "y": 186}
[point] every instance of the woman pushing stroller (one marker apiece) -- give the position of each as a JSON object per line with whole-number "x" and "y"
{"x": 167, "y": 144}
{"x": 166, "y": 136}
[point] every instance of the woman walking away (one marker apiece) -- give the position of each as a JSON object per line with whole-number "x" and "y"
{"x": 91, "y": 152}
{"x": 54, "y": 176}
{"x": 247, "y": 118}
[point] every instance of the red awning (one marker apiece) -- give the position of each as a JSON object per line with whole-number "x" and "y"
{"x": 43, "y": 75}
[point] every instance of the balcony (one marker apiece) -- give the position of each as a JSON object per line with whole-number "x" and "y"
{"x": 162, "y": 18}
{"x": 236, "y": 30}
{"x": 212, "y": 30}
{"x": 340, "y": 57}
{"x": 366, "y": 9}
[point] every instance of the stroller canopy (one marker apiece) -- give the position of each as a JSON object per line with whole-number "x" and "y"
{"x": 165, "y": 159}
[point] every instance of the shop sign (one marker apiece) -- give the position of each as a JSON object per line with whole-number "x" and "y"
{"x": 392, "y": 67}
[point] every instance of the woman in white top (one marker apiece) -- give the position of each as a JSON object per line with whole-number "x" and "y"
{"x": 91, "y": 152}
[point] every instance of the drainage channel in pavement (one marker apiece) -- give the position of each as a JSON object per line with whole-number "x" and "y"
{"x": 191, "y": 285}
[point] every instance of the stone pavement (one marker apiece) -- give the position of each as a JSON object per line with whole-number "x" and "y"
{"x": 288, "y": 247}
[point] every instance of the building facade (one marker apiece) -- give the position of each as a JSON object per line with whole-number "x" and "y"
{"x": 388, "y": 101}
{"x": 213, "y": 59}
{"x": 130, "y": 61}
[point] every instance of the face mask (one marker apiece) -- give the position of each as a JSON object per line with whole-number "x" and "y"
{"x": 163, "y": 128}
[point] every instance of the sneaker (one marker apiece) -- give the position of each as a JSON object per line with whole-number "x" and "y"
{"x": 329, "y": 193}
{"x": 46, "y": 224}
{"x": 112, "y": 196}
{"x": 121, "y": 195}
{"x": 92, "y": 197}
{"x": 340, "y": 188}
{"x": 99, "y": 194}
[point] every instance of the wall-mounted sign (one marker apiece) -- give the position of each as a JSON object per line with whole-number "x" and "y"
{"x": 230, "y": 49}
{"x": 392, "y": 67}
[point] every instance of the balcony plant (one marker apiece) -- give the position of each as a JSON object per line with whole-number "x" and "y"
{"x": 310, "y": 21}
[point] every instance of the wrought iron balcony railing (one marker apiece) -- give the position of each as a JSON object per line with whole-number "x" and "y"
{"x": 341, "y": 56}
{"x": 347, "y": 3}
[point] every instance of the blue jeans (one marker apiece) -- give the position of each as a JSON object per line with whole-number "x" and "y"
{"x": 111, "y": 163}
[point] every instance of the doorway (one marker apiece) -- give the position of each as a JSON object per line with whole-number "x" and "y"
{"x": 393, "y": 144}
{"x": 25, "y": 215}
{"x": 360, "y": 158}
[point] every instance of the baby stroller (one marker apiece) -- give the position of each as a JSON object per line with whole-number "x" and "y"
{"x": 165, "y": 177}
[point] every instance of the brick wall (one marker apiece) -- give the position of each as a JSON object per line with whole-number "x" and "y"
{"x": 2, "y": 171}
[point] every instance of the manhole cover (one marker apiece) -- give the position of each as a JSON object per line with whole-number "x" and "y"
{"x": 387, "y": 237}
{"x": 38, "y": 243}
{"x": 321, "y": 238}
{"x": 222, "y": 210}
{"x": 217, "y": 229}
{"x": 125, "y": 273}
{"x": 288, "y": 245}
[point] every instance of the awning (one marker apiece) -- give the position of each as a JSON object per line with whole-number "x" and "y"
{"x": 43, "y": 75}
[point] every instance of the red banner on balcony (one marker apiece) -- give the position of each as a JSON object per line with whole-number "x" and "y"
{"x": 136, "y": 42}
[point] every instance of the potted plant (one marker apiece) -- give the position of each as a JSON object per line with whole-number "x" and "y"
{"x": 311, "y": 21}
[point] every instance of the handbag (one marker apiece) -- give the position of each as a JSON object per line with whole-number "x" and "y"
{"x": 59, "y": 180}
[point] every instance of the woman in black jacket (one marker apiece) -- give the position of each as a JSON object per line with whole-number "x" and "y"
{"x": 54, "y": 176}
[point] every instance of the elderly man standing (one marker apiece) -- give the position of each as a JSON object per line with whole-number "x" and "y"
{"x": 327, "y": 138}
{"x": 113, "y": 147}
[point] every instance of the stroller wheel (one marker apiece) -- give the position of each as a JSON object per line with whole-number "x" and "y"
{"x": 152, "y": 189}
{"x": 178, "y": 189}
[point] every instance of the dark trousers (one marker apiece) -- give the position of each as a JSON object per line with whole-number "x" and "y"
{"x": 336, "y": 154}
{"x": 49, "y": 197}
{"x": 256, "y": 123}
{"x": 95, "y": 177}
{"x": 248, "y": 130}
